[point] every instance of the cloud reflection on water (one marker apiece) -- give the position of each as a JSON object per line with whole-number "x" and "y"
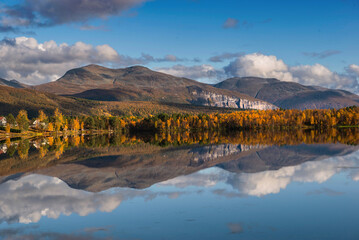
{"x": 270, "y": 182}
{"x": 28, "y": 199}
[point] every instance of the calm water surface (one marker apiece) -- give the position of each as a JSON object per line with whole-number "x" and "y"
{"x": 116, "y": 187}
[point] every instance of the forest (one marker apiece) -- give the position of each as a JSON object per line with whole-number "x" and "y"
{"x": 172, "y": 123}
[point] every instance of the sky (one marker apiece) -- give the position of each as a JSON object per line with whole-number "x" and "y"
{"x": 310, "y": 42}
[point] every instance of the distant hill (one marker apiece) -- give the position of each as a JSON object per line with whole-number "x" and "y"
{"x": 142, "y": 84}
{"x": 290, "y": 95}
{"x": 12, "y": 83}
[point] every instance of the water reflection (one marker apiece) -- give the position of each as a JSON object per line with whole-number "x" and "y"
{"x": 49, "y": 178}
{"x": 26, "y": 199}
{"x": 271, "y": 181}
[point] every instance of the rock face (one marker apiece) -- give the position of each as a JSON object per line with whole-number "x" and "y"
{"x": 218, "y": 100}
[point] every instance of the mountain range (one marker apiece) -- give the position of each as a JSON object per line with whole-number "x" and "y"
{"x": 94, "y": 88}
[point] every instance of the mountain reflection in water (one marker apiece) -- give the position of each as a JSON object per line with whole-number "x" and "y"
{"x": 46, "y": 177}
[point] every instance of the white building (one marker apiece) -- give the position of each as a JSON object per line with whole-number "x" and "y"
{"x": 3, "y": 121}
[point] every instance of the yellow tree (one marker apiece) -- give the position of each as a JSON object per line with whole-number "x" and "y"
{"x": 59, "y": 119}
{"x": 42, "y": 118}
{"x": 7, "y": 128}
{"x": 50, "y": 127}
{"x": 22, "y": 120}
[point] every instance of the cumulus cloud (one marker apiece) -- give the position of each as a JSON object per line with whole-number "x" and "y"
{"x": 31, "y": 62}
{"x": 197, "y": 72}
{"x": 317, "y": 74}
{"x": 269, "y": 66}
{"x": 259, "y": 65}
{"x": 354, "y": 69}
{"x": 34, "y": 13}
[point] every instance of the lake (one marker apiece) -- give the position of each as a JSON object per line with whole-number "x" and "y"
{"x": 243, "y": 185}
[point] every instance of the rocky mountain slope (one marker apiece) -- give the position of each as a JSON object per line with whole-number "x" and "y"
{"x": 142, "y": 84}
{"x": 289, "y": 94}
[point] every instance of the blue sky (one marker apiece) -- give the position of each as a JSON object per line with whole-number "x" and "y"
{"x": 297, "y": 32}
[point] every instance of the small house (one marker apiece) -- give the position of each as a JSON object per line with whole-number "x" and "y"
{"x": 3, "y": 121}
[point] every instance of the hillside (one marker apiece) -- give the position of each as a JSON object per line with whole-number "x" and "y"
{"x": 142, "y": 84}
{"x": 12, "y": 100}
{"x": 12, "y": 83}
{"x": 289, "y": 94}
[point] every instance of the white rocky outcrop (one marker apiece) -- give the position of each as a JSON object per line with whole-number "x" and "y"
{"x": 218, "y": 100}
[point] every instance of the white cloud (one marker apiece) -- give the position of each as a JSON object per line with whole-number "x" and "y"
{"x": 259, "y": 65}
{"x": 31, "y": 62}
{"x": 26, "y": 60}
{"x": 354, "y": 69}
{"x": 319, "y": 75}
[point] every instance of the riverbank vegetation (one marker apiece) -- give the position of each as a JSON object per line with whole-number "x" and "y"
{"x": 172, "y": 123}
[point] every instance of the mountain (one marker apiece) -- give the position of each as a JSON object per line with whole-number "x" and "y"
{"x": 12, "y": 83}
{"x": 12, "y": 100}
{"x": 290, "y": 95}
{"x": 142, "y": 84}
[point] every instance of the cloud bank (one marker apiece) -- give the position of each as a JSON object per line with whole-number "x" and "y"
{"x": 259, "y": 65}
{"x": 31, "y": 62}
{"x": 45, "y": 13}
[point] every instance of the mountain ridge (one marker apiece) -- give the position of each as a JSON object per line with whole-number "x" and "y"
{"x": 290, "y": 95}
{"x": 138, "y": 83}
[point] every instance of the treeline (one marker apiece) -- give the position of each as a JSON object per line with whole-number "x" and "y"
{"x": 254, "y": 119}
{"x": 239, "y": 120}
{"x": 59, "y": 144}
